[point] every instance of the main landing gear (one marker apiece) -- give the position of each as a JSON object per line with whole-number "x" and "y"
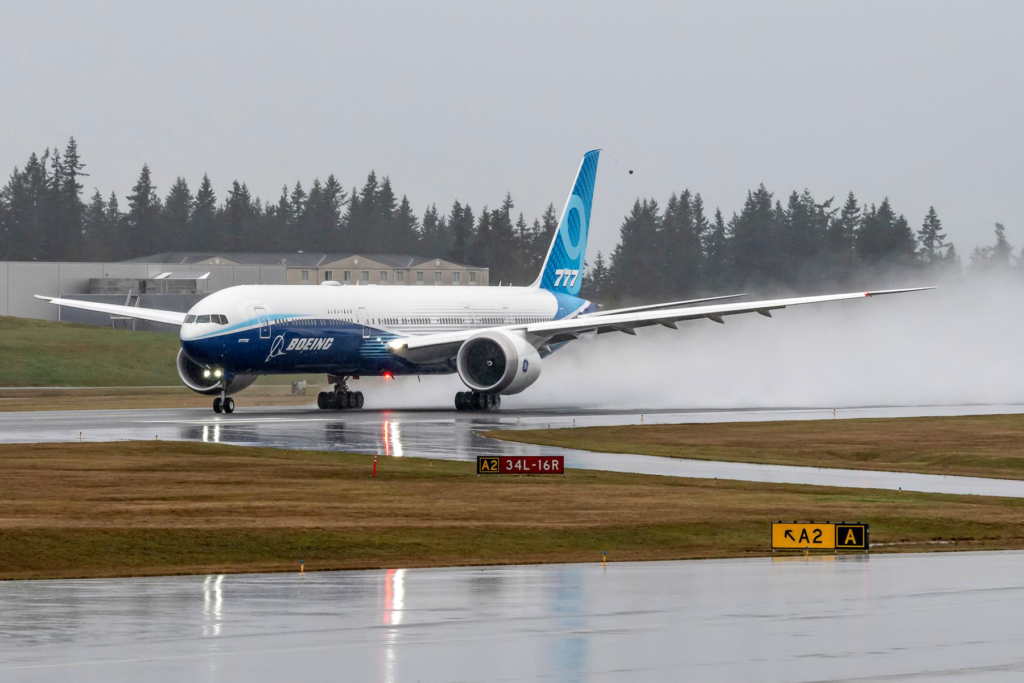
{"x": 477, "y": 400}
{"x": 223, "y": 404}
{"x": 339, "y": 399}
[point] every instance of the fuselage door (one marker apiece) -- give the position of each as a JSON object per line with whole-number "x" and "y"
{"x": 467, "y": 316}
{"x": 264, "y": 322}
{"x": 364, "y": 320}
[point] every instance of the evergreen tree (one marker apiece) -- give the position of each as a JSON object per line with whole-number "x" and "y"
{"x": 754, "y": 241}
{"x": 524, "y": 273}
{"x": 636, "y": 258}
{"x": 460, "y": 226}
{"x": 432, "y": 237}
{"x": 480, "y": 249}
{"x": 597, "y": 284}
{"x": 997, "y": 257}
{"x": 334, "y": 198}
{"x": 679, "y": 253}
{"x": 94, "y": 226}
{"x": 72, "y": 208}
{"x": 177, "y": 217}
{"x": 716, "y": 250}
{"x": 885, "y": 239}
{"x": 143, "y": 216}
{"x": 406, "y": 228}
{"x": 932, "y": 239}
{"x": 500, "y": 249}
{"x": 201, "y": 236}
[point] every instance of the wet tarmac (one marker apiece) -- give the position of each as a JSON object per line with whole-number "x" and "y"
{"x": 950, "y": 617}
{"x": 454, "y": 435}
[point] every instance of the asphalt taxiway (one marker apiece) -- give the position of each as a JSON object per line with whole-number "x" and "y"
{"x": 454, "y": 435}
{"x": 949, "y": 616}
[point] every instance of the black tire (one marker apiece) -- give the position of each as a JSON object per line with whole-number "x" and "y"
{"x": 229, "y": 405}
{"x": 358, "y": 396}
{"x": 479, "y": 401}
{"x": 497, "y": 402}
{"x": 460, "y": 400}
{"x": 342, "y": 400}
{"x": 321, "y": 400}
{"x": 217, "y": 407}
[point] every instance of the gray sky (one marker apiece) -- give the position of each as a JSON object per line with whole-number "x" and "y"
{"x": 920, "y": 101}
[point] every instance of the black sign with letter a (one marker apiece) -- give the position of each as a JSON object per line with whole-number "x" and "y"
{"x": 852, "y": 536}
{"x": 487, "y": 464}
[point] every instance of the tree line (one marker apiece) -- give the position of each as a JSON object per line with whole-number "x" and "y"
{"x": 679, "y": 250}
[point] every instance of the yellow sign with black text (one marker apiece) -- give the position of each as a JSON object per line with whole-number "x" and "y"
{"x": 819, "y": 536}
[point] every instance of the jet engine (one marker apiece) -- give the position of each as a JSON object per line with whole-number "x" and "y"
{"x": 498, "y": 362}
{"x": 210, "y": 381}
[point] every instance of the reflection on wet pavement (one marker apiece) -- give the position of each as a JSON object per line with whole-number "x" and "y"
{"x": 954, "y": 616}
{"x": 453, "y": 435}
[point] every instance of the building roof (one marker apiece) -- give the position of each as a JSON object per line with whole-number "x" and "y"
{"x": 291, "y": 259}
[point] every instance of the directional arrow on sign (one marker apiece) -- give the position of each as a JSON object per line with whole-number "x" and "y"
{"x": 789, "y": 535}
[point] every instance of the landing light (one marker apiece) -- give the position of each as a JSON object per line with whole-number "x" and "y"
{"x": 206, "y": 373}
{"x": 395, "y": 345}
{"x": 218, "y": 372}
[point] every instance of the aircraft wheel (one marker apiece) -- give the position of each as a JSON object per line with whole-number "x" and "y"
{"x": 321, "y": 400}
{"x": 460, "y": 400}
{"x": 229, "y": 405}
{"x": 217, "y": 406}
{"x": 480, "y": 401}
{"x": 496, "y": 402}
{"x": 358, "y": 400}
{"x": 342, "y": 400}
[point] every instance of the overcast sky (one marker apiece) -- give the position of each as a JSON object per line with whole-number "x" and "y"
{"x": 920, "y": 101}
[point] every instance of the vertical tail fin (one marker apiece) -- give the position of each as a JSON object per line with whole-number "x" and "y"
{"x": 563, "y": 266}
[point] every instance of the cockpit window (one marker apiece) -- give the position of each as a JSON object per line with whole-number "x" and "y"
{"x": 215, "y": 318}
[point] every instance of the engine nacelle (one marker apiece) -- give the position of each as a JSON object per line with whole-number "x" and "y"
{"x": 498, "y": 362}
{"x": 204, "y": 380}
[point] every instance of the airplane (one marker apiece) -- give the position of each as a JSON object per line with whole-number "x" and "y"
{"x": 495, "y": 338}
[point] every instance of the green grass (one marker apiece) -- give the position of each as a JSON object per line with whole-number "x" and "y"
{"x": 144, "y": 508}
{"x": 976, "y": 445}
{"x": 39, "y": 353}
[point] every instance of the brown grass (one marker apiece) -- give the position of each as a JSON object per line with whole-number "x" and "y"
{"x": 979, "y": 445}
{"x": 134, "y": 508}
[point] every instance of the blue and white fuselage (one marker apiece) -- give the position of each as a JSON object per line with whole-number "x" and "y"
{"x": 345, "y": 330}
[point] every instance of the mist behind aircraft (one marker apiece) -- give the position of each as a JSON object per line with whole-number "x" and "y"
{"x": 954, "y": 345}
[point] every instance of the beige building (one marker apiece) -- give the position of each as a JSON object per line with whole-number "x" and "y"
{"x": 349, "y": 269}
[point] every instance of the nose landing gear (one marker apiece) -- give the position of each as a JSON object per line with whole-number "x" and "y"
{"x": 477, "y": 400}
{"x": 223, "y": 404}
{"x": 341, "y": 398}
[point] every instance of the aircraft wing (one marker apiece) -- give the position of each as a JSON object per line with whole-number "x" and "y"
{"x": 444, "y": 345}
{"x": 152, "y": 314}
{"x": 653, "y": 307}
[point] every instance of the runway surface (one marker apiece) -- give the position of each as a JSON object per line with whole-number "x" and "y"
{"x": 954, "y": 617}
{"x": 453, "y": 435}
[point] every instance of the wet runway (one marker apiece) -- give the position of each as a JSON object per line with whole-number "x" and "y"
{"x": 954, "y": 617}
{"x": 453, "y": 435}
